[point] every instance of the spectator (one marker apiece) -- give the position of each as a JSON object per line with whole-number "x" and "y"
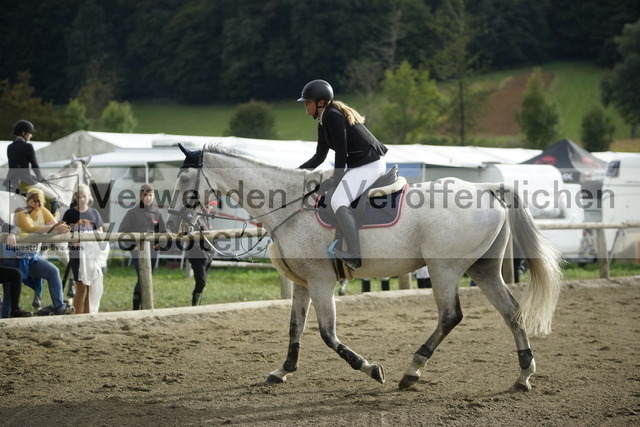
{"x": 145, "y": 217}
{"x": 86, "y": 259}
{"x": 35, "y": 218}
{"x": 13, "y": 285}
{"x": 423, "y": 278}
{"x": 200, "y": 256}
{"x": 385, "y": 284}
{"x": 22, "y": 160}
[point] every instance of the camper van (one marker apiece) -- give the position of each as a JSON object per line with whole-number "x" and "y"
{"x": 548, "y": 197}
{"x": 621, "y": 203}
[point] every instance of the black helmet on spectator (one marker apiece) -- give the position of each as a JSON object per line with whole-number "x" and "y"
{"x": 23, "y": 126}
{"x": 316, "y": 89}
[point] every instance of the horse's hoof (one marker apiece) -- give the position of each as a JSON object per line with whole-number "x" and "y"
{"x": 272, "y": 379}
{"x": 407, "y": 381}
{"x": 519, "y": 388}
{"x": 377, "y": 372}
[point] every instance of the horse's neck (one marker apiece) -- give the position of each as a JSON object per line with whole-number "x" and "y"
{"x": 259, "y": 188}
{"x": 66, "y": 177}
{"x": 65, "y": 180}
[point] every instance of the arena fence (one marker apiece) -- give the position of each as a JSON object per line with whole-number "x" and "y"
{"x": 143, "y": 242}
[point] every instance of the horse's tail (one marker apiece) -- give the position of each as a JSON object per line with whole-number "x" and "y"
{"x": 545, "y": 262}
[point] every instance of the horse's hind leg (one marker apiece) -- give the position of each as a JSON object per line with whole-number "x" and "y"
{"x": 324, "y": 304}
{"x": 299, "y": 312}
{"x": 445, "y": 291}
{"x": 486, "y": 273}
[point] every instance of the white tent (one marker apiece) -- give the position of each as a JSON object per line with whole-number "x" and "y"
{"x": 283, "y": 153}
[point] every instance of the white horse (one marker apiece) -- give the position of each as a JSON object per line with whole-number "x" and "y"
{"x": 61, "y": 182}
{"x": 450, "y": 225}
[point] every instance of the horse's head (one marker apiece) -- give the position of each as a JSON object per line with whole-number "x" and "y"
{"x": 189, "y": 192}
{"x": 78, "y": 168}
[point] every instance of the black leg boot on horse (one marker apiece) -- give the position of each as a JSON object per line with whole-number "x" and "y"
{"x": 349, "y": 229}
{"x": 196, "y": 299}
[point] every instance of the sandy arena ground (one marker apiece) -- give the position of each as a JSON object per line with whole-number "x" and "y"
{"x": 206, "y": 365}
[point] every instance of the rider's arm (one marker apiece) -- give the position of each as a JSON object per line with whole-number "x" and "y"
{"x": 317, "y": 159}
{"x": 336, "y": 130}
{"x": 31, "y": 154}
{"x": 26, "y": 224}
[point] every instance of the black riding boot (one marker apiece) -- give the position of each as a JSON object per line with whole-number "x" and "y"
{"x": 349, "y": 228}
{"x": 54, "y": 207}
{"x": 195, "y": 299}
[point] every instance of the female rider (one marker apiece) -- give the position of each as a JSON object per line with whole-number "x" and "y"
{"x": 21, "y": 156}
{"x": 358, "y": 159}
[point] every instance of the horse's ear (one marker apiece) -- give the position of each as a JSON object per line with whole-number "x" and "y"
{"x": 73, "y": 157}
{"x": 184, "y": 150}
{"x": 87, "y": 160}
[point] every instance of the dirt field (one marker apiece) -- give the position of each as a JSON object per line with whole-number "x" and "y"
{"x": 206, "y": 368}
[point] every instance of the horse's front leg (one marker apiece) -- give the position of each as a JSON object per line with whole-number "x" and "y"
{"x": 324, "y": 304}
{"x": 299, "y": 312}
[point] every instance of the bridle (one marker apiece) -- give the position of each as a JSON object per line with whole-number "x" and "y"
{"x": 52, "y": 184}
{"x": 189, "y": 214}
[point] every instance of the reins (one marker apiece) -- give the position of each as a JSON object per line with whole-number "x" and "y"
{"x": 198, "y": 204}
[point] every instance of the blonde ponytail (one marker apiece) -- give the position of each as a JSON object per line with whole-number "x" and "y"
{"x": 353, "y": 117}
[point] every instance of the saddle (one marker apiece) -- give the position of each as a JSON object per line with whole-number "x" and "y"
{"x": 379, "y": 206}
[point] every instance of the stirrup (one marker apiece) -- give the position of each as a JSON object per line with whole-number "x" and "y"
{"x": 331, "y": 249}
{"x": 351, "y": 261}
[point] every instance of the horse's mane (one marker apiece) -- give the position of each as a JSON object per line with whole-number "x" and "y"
{"x": 62, "y": 171}
{"x": 218, "y": 148}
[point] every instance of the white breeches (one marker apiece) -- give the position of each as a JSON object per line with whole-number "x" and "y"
{"x": 48, "y": 192}
{"x": 355, "y": 182}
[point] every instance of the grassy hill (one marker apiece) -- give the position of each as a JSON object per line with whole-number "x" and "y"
{"x": 574, "y": 87}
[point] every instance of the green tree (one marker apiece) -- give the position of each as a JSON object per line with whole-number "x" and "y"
{"x": 597, "y": 130}
{"x": 362, "y": 77}
{"x": 622, "y": 87}
{"x": 538, "y": 117}
{"x": 76, "y": 115}
{"x": 98, "y": 88}
{"x": 18, "y": 101}
{"x": 456, "y": 29}
{"x": 91, "y": 40}
{"x": 118, "y": 117}
{"x": 253, "y": 119}
{"x": 517, "y": 31}
{"x": 414, "y": 106}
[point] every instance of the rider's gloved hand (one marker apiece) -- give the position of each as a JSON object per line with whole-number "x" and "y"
{"x": 325, "y": 186}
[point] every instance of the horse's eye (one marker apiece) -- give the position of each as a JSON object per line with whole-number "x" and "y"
{"x": 184, "y": 179}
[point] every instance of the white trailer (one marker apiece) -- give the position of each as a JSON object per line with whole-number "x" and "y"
{"x": 621, "y": 203}
{"x": 547, "y": 196}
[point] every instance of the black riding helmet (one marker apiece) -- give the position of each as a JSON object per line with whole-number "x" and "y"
{"x": 23, "y": 126}
{"x": 316, "y": 89}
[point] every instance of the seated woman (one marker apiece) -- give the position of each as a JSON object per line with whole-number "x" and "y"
{"x": 35, "y": 218}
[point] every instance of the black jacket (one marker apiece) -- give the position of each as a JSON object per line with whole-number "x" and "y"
{"x": 354, "y": 145}
{"x": 21, "y": 156}
{"x": 8, "y": 228}
{"x": 141, "y": 219}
